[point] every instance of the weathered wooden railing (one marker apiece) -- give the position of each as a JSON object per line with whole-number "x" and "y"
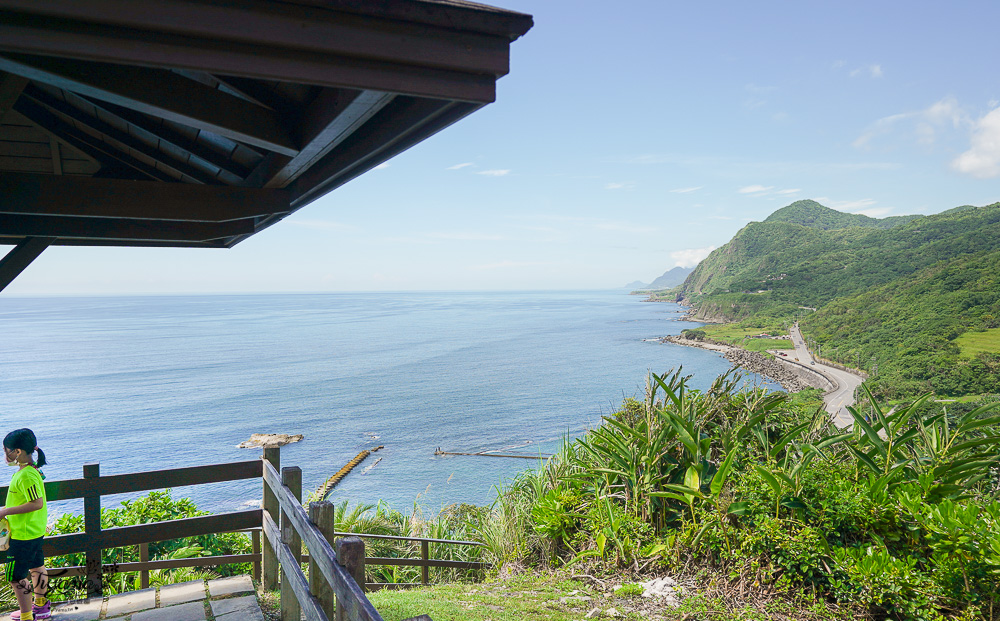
{"x": 335, "y": 587}
{"x": 332, "y": 575}
{"x": 93, "y": 540}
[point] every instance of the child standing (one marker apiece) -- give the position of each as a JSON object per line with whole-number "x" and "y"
{"x": 27, "y": 514}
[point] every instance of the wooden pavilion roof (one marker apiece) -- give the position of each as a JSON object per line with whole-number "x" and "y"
{"x": 198, "y": 123}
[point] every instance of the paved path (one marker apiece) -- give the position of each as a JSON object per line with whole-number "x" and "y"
{"x": 223, "y": 599}
{"x": 845, "y": 383}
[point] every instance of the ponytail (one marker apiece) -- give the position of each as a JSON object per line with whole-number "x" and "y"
{"x": 25, "y": 440}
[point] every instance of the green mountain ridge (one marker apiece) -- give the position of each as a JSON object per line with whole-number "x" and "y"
{"x": 893, "y": 293}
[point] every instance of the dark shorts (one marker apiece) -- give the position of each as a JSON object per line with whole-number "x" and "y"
{"x": 27, "y": 554}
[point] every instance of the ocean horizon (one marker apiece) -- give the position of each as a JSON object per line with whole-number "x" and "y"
{"x": 151, "y": 382}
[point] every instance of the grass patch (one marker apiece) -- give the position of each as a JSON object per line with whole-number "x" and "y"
{"x": 972, "y": 343}
{"x": 547, "y": 597}
{"x": 734, "y": 334}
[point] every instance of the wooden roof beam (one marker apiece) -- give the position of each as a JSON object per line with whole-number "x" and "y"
{"x": 121, "y": 230}
{"x": 255, "y": 60}
{"x": 161, "y": 158}
{"x": 169, "y": 136}
{"x": 20, "y": 257}
{"x": 455, "y": 46}
{"x": 106, "y": 155}
{"x": 161, "y": 93}
{"x": 328, "y": 121}
{"x": 78, "y": 196}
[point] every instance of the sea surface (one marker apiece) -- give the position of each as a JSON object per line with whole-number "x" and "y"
{"x": 148, "y": 383}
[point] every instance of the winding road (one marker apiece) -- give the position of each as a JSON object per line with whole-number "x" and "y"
{"x": 842, "y": 394}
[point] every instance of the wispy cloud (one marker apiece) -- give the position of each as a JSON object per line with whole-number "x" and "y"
{"x": 691, "y": 256}
{"x": 466, "y": 236}
{"x": 619, "y": 185}
{"x": 382, "y": 166}
{"x": 860, "y": 205}
{"x": 982, "y": 160}
{"x": 873, "y": 71}
{"x": 460, "y": 166}
{"x": 496, "y": 172}
{"x": 687, "y": 190}
{"x": 755, "y": 189}
{"x": 789, "y": 191}
{"x": 922, "y": 125}
{"x": 507, "y": 265}
{"x": 321, "y": 225}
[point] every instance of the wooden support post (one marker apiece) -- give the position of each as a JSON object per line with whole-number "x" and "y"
{"x": 92, "y": 528}
{"x": 20, "y": 257}
{"x": 322, "y": 515}
{"x": 144, "y": 558}
{"x": 425, "y": 554}
{"x": 291, "y": 478}
{"x": 351, "y": 554}
{"x": 255, "y": 540}
{"x": 269, "y": 558}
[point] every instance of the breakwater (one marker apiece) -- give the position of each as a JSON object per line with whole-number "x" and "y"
{"x": 792, "y": 377}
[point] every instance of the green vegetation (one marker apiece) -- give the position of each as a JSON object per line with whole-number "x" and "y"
{"x": 975, "y": 343}
{"x": 156, "y": 507}
{"x": 759, "y": 504}
{"x": 747, "y": 337}
{"x": 893, "y": 297}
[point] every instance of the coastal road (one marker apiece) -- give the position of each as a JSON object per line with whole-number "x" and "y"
{"x": 845, "y": 383}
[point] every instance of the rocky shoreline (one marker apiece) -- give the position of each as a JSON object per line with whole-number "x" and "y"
{"x": 791, "y": 378}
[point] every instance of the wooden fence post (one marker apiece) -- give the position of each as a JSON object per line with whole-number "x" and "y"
{"x": 291, "y": 477}
{"x": 322, "y": 515}
{"x": 255, "y": 540}
{"x": 425, "y": 554}
{"x": 269, "y": 558}
{"x": 92, "y": 527}
{"x": 351, "y": 554}
{"x": 144, "y": 558}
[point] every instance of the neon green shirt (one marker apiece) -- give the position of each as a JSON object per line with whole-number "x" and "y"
{"x": 26, "y": 485}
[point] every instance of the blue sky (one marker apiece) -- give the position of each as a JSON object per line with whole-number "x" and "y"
{"x": 628, "y": 138}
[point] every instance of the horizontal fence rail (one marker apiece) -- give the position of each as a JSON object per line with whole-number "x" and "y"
{"x": 94, "y": 539}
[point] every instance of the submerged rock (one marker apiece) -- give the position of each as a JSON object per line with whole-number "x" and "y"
{"x": 269, "y": 440}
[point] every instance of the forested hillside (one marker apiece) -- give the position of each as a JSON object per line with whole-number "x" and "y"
{"x": 891, "y": 295}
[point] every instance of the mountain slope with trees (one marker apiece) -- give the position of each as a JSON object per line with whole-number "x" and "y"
{"x": 891, "y": 294}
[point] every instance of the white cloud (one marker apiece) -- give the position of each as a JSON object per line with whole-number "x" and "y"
{"x": 619, "y": 186}
{"x": 382, "y": 166}
{"x": 460, "y": 166}
{"x": 496, "y": 172}
{"x": 789, "y": 191}
{"x": 925, "y": 124}
{"x": 691, "y": 256}
{"x": 687, "y": 190}
{"x": 982, "y": 160}
{"x": 755, "y": 189}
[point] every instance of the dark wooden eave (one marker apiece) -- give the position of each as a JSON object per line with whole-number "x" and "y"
{"x": 201, "y": 122}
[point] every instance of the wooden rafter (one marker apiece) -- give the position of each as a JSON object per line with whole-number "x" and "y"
{"x": 122, "y": 230}
{"x": 160, "y": 93}
{"x": 27, "y": 194}
{"x": 93, "y": 147}
{"x": 328, "y": 121}
{"x": 99, "y": 126}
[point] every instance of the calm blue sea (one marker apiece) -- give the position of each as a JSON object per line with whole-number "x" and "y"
{"x": 145, "y": 383}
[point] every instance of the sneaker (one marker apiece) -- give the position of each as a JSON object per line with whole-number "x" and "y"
{"x": 42, "y": 612}
{"x": 38, "y": 612}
